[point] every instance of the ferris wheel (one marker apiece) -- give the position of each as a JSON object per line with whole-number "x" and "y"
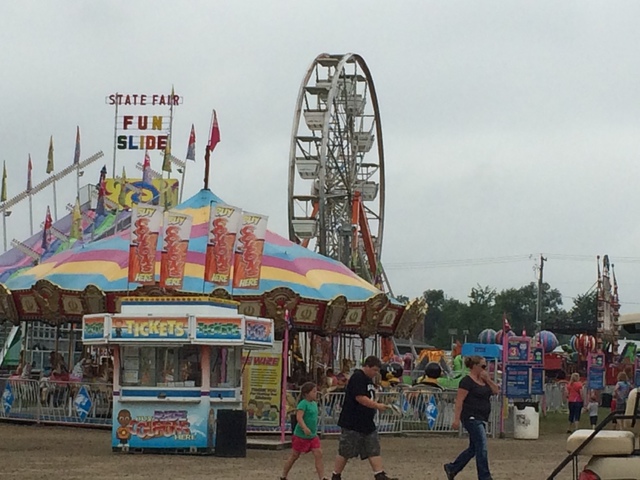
{"x": 336, "y": 166}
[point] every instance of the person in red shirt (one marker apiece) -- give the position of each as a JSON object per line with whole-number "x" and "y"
{"x": 575, "y": 396}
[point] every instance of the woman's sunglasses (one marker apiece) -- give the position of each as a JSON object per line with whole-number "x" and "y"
{"x": 483, "y": 366}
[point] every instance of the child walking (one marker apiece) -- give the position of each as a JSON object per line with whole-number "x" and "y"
{"x": 592, "y": 408}
{"x": 305, "y": 435}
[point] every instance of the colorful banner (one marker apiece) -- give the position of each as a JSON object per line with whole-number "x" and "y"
{"x": 159, "y": 191}
{"x": 262, "y": 389}
{"x": 159, "y": 426}
{"x": 249, "y": 249}
{"x": 177, "y": 230}
{"x": 146, "y": 221}
{"x": 518, "y": 381}
{"x": 143, "y": 328}
{"x": 218, "y": 328}
{"x": 259, "y": 331}
{"x": 224, "y": 222}
{"x": 93, "y": 328}
{"x": 518, "y": 349}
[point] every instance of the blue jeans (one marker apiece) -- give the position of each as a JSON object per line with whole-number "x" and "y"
{"x": 477, "y": 448}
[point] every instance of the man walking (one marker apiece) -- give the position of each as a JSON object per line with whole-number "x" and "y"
{"x": 359, "y": 436}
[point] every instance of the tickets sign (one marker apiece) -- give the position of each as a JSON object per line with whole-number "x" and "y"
{"x": 144, "y": 328}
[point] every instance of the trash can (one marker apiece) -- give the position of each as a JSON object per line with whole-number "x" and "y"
{"x": 526, "y": 420}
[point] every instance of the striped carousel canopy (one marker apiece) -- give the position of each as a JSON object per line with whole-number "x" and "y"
{"x": 104, "y": 263}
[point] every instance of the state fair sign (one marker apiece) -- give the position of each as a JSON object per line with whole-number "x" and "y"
{"x": 143, "y": 132}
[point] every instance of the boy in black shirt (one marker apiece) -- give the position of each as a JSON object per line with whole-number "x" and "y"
{"x": 359, "y": 436}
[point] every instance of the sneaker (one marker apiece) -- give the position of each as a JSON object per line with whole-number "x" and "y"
{"x": 384, "y": 476}
{"x": 336, "y": 476}
{"x": 450, "y": 475}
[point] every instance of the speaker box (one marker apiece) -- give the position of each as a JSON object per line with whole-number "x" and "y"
{"x": 231, "y": 433}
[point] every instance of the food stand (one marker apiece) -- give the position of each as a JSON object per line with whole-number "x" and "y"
{"x": 177, "y": 365}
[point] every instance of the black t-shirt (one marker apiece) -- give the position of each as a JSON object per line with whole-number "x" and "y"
{"x": 355, "y": 416}
{"x": 477, "y": 403}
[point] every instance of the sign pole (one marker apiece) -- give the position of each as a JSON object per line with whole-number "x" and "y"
{"x": 285, "y": 370}
{"x": 115, "y": 139}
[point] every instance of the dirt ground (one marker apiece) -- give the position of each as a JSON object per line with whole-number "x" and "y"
{"x": 37, "y": 452}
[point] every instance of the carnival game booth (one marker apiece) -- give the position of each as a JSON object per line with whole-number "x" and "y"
{"x": 177, "y": 372}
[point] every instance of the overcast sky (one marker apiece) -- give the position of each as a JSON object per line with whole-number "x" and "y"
{"x": 510, "y": 128}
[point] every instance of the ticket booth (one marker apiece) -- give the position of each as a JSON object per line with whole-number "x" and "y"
{"x": 177, "y": 367}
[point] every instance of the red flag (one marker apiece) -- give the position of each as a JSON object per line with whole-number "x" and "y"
{"x": 146, "y": 168}
{"x": 215, "y": 133}
{"x": 191, "y": 150}
{"x": 29, "y": 168}
{"x": 46, "y": 231}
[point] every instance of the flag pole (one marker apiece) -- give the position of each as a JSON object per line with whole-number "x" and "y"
{"x": 207, "y": 156}
{"x": 55, "y": 199}
{"x": 30, "y": 214}
{"x": 4, "y": 228}
{"x": 184, "y": 173}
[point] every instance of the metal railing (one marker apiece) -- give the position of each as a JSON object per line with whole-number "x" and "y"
{"x": 411, "y": 411}
{"x": 46, "y": 401}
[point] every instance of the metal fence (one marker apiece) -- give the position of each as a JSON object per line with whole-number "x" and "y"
{"x": 411, "y": 411}
{"x": 69, "y": 403}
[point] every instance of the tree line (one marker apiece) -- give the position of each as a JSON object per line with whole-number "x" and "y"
{"x": 485, "y": 308}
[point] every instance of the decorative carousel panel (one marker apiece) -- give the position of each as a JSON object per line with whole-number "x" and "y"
{"x": 334, "y": 314}
{"x": 28, "y": 308}
{"x": 413, "y": 314}
{"x": 307, "y": 316}
{"x": 251, "y": 308}
{"x": 374, "y": 307}
{"x": 389, "y": 319}
{"x": 72, "y": 305}
{"x": 94, "y": 300}
{"x": 8, "y": 309}
{"x": 352, "y": 319}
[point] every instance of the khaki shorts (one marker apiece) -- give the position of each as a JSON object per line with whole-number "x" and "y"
{"x": 355, "y": 444}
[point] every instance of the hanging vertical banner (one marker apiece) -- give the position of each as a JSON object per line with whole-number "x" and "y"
{"x": 146, "y": 221}
{"x": 224, "y": 222}
{"x": 249, "y": 249}
{"x": 177, "y": 230}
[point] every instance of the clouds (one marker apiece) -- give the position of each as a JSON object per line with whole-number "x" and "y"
{"x": 509, "y": 127}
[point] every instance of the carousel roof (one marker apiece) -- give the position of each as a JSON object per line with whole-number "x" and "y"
{"x": 104, "y": 263}
{"x": 319, "y": 293}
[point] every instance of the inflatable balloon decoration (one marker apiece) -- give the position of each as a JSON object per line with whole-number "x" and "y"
{"x": 487, "y": 336}
{"x": 584, "y": 344}
{"x": 547, "y": 340}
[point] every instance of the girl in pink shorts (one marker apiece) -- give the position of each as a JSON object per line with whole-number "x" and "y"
{"x": 305, "y": 435}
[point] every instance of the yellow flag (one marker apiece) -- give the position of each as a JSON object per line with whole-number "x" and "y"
{"x": 166, "y": 164}
{"x": 122, "y": 196}
{"x": 76, "y": 222}
{"x": 3, "y": 196}
{"x": 50, "y": 156}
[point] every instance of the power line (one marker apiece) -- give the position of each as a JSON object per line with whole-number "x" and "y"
{"x": 474, "y": 262}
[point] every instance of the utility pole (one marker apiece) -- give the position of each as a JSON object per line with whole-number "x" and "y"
{"x": 539, "y": 302}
